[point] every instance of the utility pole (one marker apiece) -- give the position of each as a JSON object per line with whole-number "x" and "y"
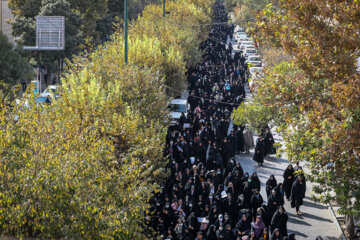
{"x": 164, "y": 8}
{"x": 126, "y": 29}
{"x": 1, "y": 17}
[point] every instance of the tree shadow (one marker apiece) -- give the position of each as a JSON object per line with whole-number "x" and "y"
{"x": 312, "y": 204}
{"x": 298, "y": 233}
{"x": 275, "y": 159}
{"x": 296, "y": 220}
{"x": 317, "y": 218}
{"x": 330, "y": 238}
{"x": 273, "y": 168}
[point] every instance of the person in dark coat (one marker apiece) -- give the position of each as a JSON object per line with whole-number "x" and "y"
{"x": 263, "y": 211}
{"x": 279, "y": 189}
{"x": 240, "y": 139}
{"x": 229, "y": 233}
{"x": 259, "y": 154}
{"x": 233, "y": 143}
{"x": 276, "y": 235}
{"x": 211, "y": 233}
{"x": 255, "y": 181}
{"x": 225, "y": 150}
{"x": 266, "y": 234}
{"x": 288, "y": 180}
{"x": 213, "y": 153}
{"x": 270, "y": 184}
{"x": 297, "y": 194}
{"x": 269, "y": 142}
{"x": 256, "y": 202}
{"x": 243, "y": 226}
{"x": 273, "y": 203}
{"x": 279, "y": 221}
{"x": 247, "y": 186}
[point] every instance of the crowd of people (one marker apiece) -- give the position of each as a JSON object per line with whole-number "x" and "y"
{"x": 208, "y": 195}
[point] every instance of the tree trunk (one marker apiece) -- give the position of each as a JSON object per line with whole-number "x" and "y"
{"x": 350, "y": 227}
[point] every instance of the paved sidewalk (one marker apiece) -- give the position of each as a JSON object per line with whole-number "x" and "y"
{"x": 316, "y": 219}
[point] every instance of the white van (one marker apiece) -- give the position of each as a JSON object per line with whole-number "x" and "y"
{"x": 178, "y": 106}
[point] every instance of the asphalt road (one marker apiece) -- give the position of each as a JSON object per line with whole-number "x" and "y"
{"x": 316, "y": 219}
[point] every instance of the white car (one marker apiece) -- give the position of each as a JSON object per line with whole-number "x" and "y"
{"x": 240, "y": 35}
{"x": 249, "y": 52}
{"x": 243, "y": 39}
{"x": 239, "y": 29}
{"x": 177, "y": 107}
{"x": 49, "y": 91}
{"x": 246, "y": 43}
{"x": 254, "y": 61}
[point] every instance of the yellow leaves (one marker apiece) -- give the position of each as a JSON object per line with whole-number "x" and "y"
{"x": 102, "y": 142}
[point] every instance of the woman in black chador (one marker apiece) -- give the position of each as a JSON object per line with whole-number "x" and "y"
{"x": 259, "y": 154}
{"x": 288, "y": 180}
{"x": 297, "y": 194}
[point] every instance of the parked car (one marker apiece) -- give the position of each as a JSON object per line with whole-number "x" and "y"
{"x": 240, "y": 35}
{"x": 177, "y": 107}
{"x": 50, "y": 91}
{"x": 246, "y": 43}
{"x": 254, "y": 61}
{"x": 249, "y": 52}
{"x": 243, "y": 39}
{"x": 239, "y": 29}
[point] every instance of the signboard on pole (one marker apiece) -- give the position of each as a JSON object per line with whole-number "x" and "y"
{"x": 50, "y": 33}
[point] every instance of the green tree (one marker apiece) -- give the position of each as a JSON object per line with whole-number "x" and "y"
{"x": 245, "y": 11}
{"x": 317, "y": 91}
{"x": 86, "y": 166}
{"x": 13, "y": 67}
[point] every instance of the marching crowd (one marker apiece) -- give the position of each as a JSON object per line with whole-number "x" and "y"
{"x": 208, "y": 195}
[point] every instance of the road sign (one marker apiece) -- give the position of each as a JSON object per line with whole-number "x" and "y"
{"x": 50, "y": 33}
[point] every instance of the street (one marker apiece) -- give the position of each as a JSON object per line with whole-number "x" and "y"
{"x": 316, "y": 219}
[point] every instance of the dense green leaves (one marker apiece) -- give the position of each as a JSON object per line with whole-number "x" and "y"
{"x": 315, "y": 95}
{"x": 13, "y": 68}
{"x": 85, "y": 166}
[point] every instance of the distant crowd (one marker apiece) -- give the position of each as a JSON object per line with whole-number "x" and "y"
{"x": 208, "y": 195}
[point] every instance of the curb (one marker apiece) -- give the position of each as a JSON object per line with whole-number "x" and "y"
{"x": 342, "y": 236}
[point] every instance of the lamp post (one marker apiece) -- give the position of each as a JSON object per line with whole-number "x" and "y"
{"x": 164, "y": 8}
{"x": 1, "y": 17}
{"x": 126, "y": 29}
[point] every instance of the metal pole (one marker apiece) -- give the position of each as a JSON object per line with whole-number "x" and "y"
{"x": 164, "y": 8}
{"x": 126, "y": 29}
{"x": 1, "y": 17}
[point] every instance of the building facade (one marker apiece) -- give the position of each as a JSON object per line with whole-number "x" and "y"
{"x": 5, "y": 16}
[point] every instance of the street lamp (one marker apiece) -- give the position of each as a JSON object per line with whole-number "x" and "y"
{"x": 164, "y": 8}
{"x": 126, "y": 29}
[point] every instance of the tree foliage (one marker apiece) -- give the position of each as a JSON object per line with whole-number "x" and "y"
{"x": 13, "y": 67}
{"x": 85, "y": 166}
{"x": 245, "y": 11}
{"x": 317, "y": 91}
{"x": 178, "y": 42}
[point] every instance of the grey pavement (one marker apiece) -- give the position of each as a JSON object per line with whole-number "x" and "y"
{"x": 316, "y": 219}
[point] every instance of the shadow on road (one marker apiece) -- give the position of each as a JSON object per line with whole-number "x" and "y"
{"x": 313, "y": 204}
{"x": 330, "y": 238}
{"x": 275, "y": 159}
{"x": 308, "y": 215}
{"x": 298, "y": 233}
{"x": 272, "y": 168}
{"x": 297, "y": 219}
